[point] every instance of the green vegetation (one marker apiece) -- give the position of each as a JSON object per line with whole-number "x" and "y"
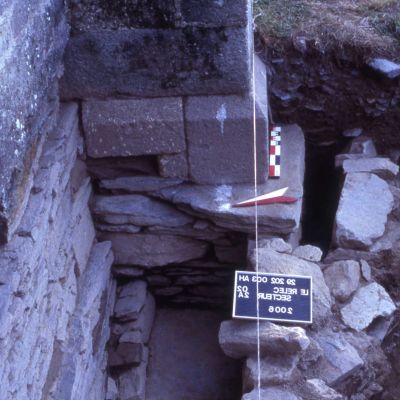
{"x": 369, "y": 24}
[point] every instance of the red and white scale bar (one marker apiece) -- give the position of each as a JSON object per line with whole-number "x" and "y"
{"x": 274, "y": 170}
{"x": 277, "y": 196}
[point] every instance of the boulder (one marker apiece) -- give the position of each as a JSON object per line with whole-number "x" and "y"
{"x": 385, "y": 67}
{"x": 148, "y": 250}
{"x": 368, "y": 303}
{"x": 238, "y": 339}
{"x": 340, "y": 359}
{"x": 122, "y": 128}
{"x": 317, "y": 389}
{"x": 135, "y": 209}
{"x": 271, "y": 394}
{"x": 308, "y": 252}
{"x": 274, "y": 262}
{"x": 275, "y": 370}
{"x": 343, "y": 278}
{"x": 380, "y": 166}
{"x": 137, "y": 184}
{"x": 361, "y": 217}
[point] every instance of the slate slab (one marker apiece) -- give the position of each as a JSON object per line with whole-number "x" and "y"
{"x": 214, "y": 202}
{"x": 364, "y": 205}
{"x": 122, "y": 128}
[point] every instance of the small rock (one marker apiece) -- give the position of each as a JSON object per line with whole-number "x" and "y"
{"x": 380, "y": 166}
{"x": 238, "y": 339}
{"x": 366, "y": 271}
{"x": 126, "y": 354}
{"x": 308, "y": 252}
{"x": 340, "y": 359}
{"x": 130, "y": 301}
{"x": 318, "y": 390}
{"x": 270, "y": 394}
{"x": 360, "y": 218}
{"x": 343, "y": 278}
{"x": 131, "y": 337}
{"x": 385, "y": 67}
{"x": 363, "y": 146}
{"x": 354, "y": 132}
{"x": 369, "y": 302}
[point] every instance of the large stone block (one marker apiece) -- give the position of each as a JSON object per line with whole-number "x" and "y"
{"x": 133, "y": 127}
{"x": 135, "y": 62}
{"x": 220, "y": 136}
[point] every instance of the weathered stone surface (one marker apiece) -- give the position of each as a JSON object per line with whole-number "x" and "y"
{"x": 238, "y": 339}
{"x": 272, "y": 261}
{"x": 214, "y": 202}
{"x": 134, "y": 62}
{"x": 218, "y": 125}
{"x": 32, "y": 50}
{"x": 174, "y": 166}
{"x": 112, "y": 390}
{"x": 366, "y": 270}
{"x": 137, "y": 184}
{"x": 149, "y": 250}
{"x": 341, "y": 359}
{"x": 132, "y": 383}
{"x": 363, "y": 146}
{"x": 137, "y": 210}
{"x": 385, "y": 67}
{"x": 317, "y": 389}
{"x": 126, "y": 354}
{"x": 275, "y": 370}
{"x": 271, "y": 394}
{"x": 122, "y": 128}
{"x": 343, "y": 278}
{"x": 144, "y": 322}
{"x": 131, "y": 300}
{"x": 369, "y": 302}
{"x": 360, "y": 218}
{"x": 380, "y": 166}
{"x": 308, "y": 252}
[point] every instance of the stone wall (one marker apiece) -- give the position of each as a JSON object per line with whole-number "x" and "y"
{"x": 32, "y": 41}
{"x": 56, "y": 291}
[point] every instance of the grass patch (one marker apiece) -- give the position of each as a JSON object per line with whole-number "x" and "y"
{"x": 372, "y": 25}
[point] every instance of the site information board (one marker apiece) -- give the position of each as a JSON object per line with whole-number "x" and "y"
{"x": 281, "y": 297}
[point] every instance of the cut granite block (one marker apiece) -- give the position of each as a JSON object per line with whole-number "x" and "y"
{"x": 134, "y": 62}
{"x": 121, "y": 128}
{"x": 220, "y": 136}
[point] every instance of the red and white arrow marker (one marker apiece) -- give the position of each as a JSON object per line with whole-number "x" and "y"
{"x": 274, "y": 197}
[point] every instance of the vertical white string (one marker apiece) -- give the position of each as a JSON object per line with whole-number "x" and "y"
{"x": 256, "y": 206}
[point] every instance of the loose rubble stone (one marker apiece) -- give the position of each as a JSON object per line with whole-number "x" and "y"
{"x": 135, "y": 184}
{"x": 270, "y": 394}
{"x": 364, "y": 205}
{"x": 174, "y": 166}
{"x": 308, "y": 252}
{"x": 126, "y": 65}
{"x": 340, "y": 360}
{"x": 214, "y": 202}
{"x": 149, "y": 250}
{"x": 369, "y": 302}
{"x": 343, "y": 278}
{"x": 137, "y": 210}
{"x": 385, "y": 67}
{"x": 380, "y": 166}
{"x": 238, "y": 339}
{"x": 122, "y": 128}
{"x": 274, "y": 371}
{"x": 131, "y": 300}
{"x": 272, "y": 261}
{"x": 317, "y": 389}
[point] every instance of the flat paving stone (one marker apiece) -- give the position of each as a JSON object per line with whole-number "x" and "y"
{"x": 186, "y": 362}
